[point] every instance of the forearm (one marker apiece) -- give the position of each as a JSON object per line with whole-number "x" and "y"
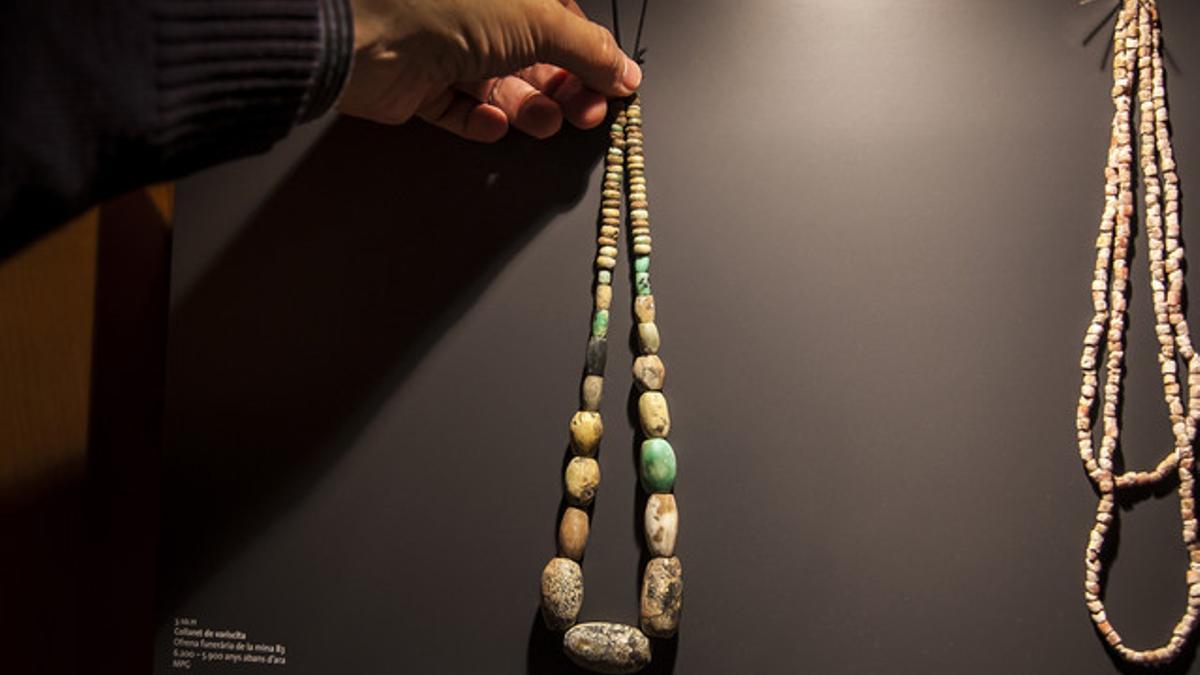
{"x": 99, "y": 96}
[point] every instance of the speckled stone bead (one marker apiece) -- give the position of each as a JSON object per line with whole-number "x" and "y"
{"x": 573, "y": 533}
{"x": 582, "y": 479}
{"x": 643, "y": 308}
{"x": 604, "y": 647}
{"x": 649, "y": 372}
{"x": 655, "y": 418}
{"x": 604, "y": 277}
{"x": 597, "y": 355}
{"x": 591, "y": 391}
{"x": 648, "y": 337}
{"x": 562, "y": 593}
{"x": 586, "y": 430}
{"x": 600, "y": 323}
{"x": 662, "y": 597}
{"x": 661, "y": 522}
{"x": 657, "y": 465}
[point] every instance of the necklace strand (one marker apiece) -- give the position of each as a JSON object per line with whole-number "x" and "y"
{"x": 602, "y": 646}
{"x": 1138, "y": 64}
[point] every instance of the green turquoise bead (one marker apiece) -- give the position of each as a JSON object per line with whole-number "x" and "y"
{"x": 657, "y": 466}
{"x": 600, "y": 323}
{"x": 641, "y": 263}
{"x": 604, "y": 276}
{"x": 642, "y": 281}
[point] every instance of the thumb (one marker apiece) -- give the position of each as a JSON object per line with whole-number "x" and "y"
{"x": 589, "y": 51}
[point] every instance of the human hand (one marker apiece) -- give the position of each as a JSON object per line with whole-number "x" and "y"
{"x": 474, "y": 67}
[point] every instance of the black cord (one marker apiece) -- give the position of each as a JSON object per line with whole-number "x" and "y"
{"x": 639, "y": 52}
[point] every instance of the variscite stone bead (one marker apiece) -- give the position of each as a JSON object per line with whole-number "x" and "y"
{"x": 649, "y": 372}
{"x": 643, "y": 239}
{"x": 591, "y": 391}
{"x": 562, "y": 593}
{"x": 608, "y": 251}
{"x": 604, "y": 277}
{"x": 662, "y": 597}
{"x": 603, "y": 647}
{"x": 654, "y": 415}
{"x": 582, "y": 479}
{"x": 657, "y": 465}
{"x": 573, "y": 533}
{"x": 605, "y": 262}
{"x": 597, "y": 355}
{"x": 643, "y": 308}
{"x": 641, "y": 280}
{"x": 662, "y": 524}
{"x": 643, "y": 249}
{"x": 600, "y": 323}
{"x": 641, "y": 263}
{"x": 603, "y": 296}
{"x": 648, "y": 336}
{"x": 586, "y": 430}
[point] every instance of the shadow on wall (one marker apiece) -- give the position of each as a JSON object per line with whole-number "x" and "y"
{"x": 365, "y": 255}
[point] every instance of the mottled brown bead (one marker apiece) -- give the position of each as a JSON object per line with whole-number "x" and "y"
{"x": 662, "y": 597}
{"x": 649, "y": 372}
{"x": 573, "y": 533}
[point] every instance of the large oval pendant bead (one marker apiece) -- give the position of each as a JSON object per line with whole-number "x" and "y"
{"x": 604, "y": 647}
{"x": 657, "y": 465}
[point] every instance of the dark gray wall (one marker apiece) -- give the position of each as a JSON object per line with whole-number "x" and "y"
{"x": 874, "y": 227}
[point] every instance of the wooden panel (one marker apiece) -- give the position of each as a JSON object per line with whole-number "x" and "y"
{"x": 46, "y": 310}
{"x": 82, "y": 338}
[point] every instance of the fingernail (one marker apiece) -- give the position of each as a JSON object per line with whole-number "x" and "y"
{"x": 632, "y": 77}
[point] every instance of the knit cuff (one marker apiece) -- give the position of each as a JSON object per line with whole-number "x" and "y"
{"x": 337, "y": 49}
{"x": 233, "y": 76}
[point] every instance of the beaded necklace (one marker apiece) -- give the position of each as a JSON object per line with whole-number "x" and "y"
{"x": 1138, "y": 66}
{"x": 601, "y": 646}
